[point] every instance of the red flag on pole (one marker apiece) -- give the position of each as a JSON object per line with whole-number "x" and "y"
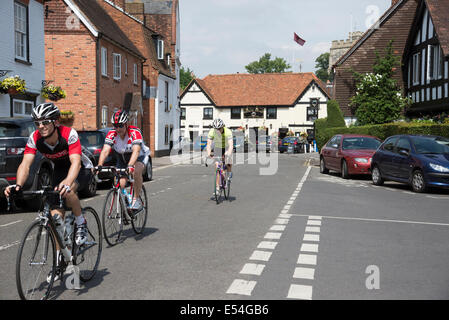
{"x": 298, "y": 39}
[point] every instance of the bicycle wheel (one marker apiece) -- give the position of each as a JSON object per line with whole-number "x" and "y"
{"x": 112, "y": 217}
{"x": 227, "y": 184}
{"x": 36, "y": 259}
{"x": 87, "y": 256}
{"x": 140, "y": 217}
{"x": 217, "y": 194}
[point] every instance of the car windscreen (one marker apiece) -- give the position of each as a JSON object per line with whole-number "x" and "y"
{"x": 91, "y": 139}
{"x": 289, "y": 139}
{"x": 435, "y": 145}
{"x": 13, "y": 130}
{"x": 360, "y": 143}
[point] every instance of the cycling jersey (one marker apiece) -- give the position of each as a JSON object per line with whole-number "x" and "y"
{"x": 124, "y": 146}
{"x": 68, "y": 143}
{"x": 221, "y": 140}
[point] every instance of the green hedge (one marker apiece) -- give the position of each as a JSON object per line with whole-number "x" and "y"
{"x": 383, "y": 131}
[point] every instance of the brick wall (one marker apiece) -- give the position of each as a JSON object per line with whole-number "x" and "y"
{"x": 135, "y": 32}
{"x": 70, "y": 62}
{"x": 396, "y": 28}
{"x": 112, "y": 92}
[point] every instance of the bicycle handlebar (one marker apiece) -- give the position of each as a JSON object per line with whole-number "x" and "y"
{"x": 111, "y": 169}
{"x": 47, "y": 191}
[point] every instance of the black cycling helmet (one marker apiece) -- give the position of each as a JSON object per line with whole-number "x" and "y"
{"x": 120, "y": 116}
{"x": 45, "y": 111}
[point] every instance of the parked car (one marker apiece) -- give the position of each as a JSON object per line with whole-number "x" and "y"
{"x": 348, "y": 154}
{"x": 421, "y": 161}
{"x": 294, "y": 143}
{"x": 14, "y": 134}
{"x": 94, "y": 141}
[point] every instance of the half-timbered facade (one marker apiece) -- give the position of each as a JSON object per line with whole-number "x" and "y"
{"x": 276, "y": 103}
{"x": 426, "y": 59}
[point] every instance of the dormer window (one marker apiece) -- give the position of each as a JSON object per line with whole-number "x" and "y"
{"x": 160, "y": 49}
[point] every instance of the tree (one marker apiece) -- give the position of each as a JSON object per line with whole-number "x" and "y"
{"x": 378, "y": 97}
{"x": 334, "y": 115}
{"x": 185, "y": 76}
{"x": 266, "y": 65}
{"x": 322, "y": 66}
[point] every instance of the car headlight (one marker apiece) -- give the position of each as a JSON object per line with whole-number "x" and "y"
{"x": 439, "y": 168}
{"x": 361, "y": 160}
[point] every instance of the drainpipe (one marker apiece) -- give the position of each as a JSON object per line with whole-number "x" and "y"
{"x": 98, "y": 71}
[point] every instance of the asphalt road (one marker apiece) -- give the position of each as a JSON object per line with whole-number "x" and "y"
{"x": 296, "y": 234}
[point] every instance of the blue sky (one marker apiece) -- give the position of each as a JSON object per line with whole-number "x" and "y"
{"x": 222, "y": 36}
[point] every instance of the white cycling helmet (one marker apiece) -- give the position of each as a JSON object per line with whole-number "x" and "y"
{"x": 218, "y": 124}
{"x": 45, "y": 111}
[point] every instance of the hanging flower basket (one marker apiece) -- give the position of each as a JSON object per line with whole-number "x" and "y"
{"x": 53, "y": 93}
{"x": 67, "y": 118}
{"x": 12, "y": 85}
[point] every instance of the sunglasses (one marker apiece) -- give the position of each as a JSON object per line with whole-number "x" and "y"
{"x": 118, "y": 125}
{"x": 43, "y": 122}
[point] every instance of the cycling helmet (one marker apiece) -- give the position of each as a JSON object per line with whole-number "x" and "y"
{"x": 120, "y": 116}
{"x": 218, "y": 124}
{"x": 45, "y": 111}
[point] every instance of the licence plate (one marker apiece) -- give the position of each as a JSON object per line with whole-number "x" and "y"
{"x": 285, "y": 144}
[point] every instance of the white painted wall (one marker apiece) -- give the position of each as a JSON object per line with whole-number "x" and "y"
{"x": 32, "y": 74}
{"x": 286, "y": 116}
{"x": 162, "y": 117}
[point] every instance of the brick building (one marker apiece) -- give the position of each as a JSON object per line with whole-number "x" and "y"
{"x": 161, "y": 70}
{"x": 395, "y": 24}
{"x": 92, "y": 59}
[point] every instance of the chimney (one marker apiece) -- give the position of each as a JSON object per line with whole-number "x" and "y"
{"x": 393, "y": 2}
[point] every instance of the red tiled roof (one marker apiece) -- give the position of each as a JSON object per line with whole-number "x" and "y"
{"x": 439, "y": 11}
{"x": 274, "y": 89}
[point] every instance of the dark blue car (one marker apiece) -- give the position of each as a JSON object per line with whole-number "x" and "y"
{"x": 419, "y": 160}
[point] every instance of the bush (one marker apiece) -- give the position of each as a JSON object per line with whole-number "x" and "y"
{"x": 334, "y": 115}
{"x": 383, "y": 131}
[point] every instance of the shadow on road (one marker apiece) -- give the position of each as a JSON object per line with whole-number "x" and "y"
{"x": 60, "y": 287}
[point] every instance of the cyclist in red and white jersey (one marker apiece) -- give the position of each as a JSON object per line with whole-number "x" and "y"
{"x": 130, "y": 150}
{"x": 62, "y": 146}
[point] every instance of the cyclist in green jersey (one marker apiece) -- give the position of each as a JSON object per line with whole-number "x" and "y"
{"x": 223, "y": 144}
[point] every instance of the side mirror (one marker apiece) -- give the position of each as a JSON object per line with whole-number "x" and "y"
{"x": 335, "y": 146}
{"x": 403, "y": 152}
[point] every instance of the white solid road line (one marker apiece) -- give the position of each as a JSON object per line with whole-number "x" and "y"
{"x": 11, "y": 223}
{"x": 378, "y": 220}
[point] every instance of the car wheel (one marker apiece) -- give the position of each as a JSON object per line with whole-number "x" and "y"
{"x": 377, "y": 177}
{"x": 323, "y": 168}
{"x": 148, "y": 175}
{"x": 91, "y": 189}
{"x": 43, "y": 179}
{"x": 418, "y": 182}
{"x": 344, "y": 170}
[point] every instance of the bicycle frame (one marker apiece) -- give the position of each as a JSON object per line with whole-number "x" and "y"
{"x": 116, "y": 186}
{"x": 46, "y": 218}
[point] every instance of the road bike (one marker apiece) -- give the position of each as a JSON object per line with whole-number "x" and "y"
{"x": 222, "y": 176}
{"x": 116, "y": 213}
{"x": 36, "y": 263}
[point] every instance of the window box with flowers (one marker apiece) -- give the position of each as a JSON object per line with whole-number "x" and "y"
{"x": 67, "y": 118}
{"x": 53, "y": 93}
{"x": 12, "y": 85}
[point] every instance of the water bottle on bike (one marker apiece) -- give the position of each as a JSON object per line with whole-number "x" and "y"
{"x": 68, "y": 222}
